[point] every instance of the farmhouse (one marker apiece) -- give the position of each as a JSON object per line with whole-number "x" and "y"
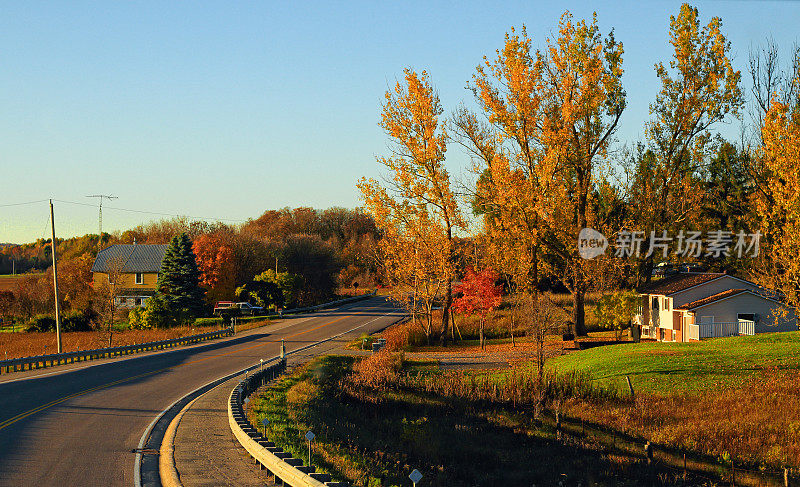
{"x": 695, "y": 305}
{"x": 131, "y": 271}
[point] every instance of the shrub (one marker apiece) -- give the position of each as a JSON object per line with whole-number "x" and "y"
{"x": 79, "y": 320}
{"x": 156, "y": 314}
{"x": 378, "y": 371}
{"x": 42, "y": 323}
{"x": 136, "y": 320}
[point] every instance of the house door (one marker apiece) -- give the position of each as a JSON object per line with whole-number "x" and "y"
{"x": 677, "y": 325}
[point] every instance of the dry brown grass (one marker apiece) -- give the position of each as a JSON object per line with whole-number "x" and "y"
{"x": 14, "y": 345}
{"x": 756, "y": 422}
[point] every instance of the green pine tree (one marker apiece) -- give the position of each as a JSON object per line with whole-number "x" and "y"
{"x": 179, "y": 280}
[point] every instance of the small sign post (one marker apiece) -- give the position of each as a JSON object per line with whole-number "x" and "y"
{"x": 309, "y": 437}
{"x": 415, "y": 476}
{"x": 265, "y": 422}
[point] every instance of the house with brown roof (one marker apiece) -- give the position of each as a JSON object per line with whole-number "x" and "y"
{"x": 131, "y": 270}
{"x": 696, "y": 305}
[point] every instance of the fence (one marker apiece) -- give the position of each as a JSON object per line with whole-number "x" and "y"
{"x": 720, "y": 330}
{"x": 43, "y": 361}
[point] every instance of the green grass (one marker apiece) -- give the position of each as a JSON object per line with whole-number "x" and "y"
{"x": 664, "y": 368}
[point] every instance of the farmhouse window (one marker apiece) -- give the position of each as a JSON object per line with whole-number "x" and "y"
{"x": 139, "y": 278}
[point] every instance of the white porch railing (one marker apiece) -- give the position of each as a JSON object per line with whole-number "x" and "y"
{"x": 747, "y": 327}
{"x": 720, "y": 330}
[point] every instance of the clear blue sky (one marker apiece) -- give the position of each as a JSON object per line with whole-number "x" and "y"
{"x": 226, "y": 109}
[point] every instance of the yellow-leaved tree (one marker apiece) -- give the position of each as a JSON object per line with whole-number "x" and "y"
{"x": 416, "y": 208}
{"x": 699, "y": 89}
{"x": 779, "y": 213}
{"x": 551, "y": 114}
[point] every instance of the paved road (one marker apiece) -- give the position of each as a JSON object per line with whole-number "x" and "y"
{"x": 80, "y": 426}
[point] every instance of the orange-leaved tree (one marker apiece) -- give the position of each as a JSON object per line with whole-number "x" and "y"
{"x": 216, "y": 263}
{"x": 480, "y": 295}
{"x": 551, "y": 117}
{"x": 417, "y": 209}
{"x": 779, "y": 214}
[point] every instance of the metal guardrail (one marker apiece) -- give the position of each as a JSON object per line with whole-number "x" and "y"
{"x": 43, "y": 361}
{"x": 279, "y": 463}
{"x": 326, "y": 305}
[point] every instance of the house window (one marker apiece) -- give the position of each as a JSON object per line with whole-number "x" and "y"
{"x": 137, "y": 301}
{"x": 139, "y": 278}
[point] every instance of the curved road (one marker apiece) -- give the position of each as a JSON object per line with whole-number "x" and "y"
{"x": 81, "y": 426}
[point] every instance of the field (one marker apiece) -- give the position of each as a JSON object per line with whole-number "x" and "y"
{"x": 9, "y": 282}
{"x": 14, "y": 345}
{"x": 731, "y": 398}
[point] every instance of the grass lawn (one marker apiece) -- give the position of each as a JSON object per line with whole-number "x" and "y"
{"x": 688, "y": 367}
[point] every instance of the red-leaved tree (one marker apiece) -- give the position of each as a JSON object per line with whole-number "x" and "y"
{"x": 480, "y": 295}
{"x": 215, "y": 260}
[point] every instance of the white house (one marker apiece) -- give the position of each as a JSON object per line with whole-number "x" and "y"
{"x": 695, "y": 305}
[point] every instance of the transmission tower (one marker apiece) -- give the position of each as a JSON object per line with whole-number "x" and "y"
{"x": 100, "y": 219}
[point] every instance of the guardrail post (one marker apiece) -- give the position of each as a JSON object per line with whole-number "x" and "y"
{"x": 283, "y": 350}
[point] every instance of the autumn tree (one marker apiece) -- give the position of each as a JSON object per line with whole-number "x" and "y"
{"x": 272, "y": 289}
{"x": 417, "y": 209}
{"x": 540, "y": 318}
{"x": 779, "y": 214}
{"x": 699, "y": 88}
{"x": 216, "y": 263}
{"x": 7, "y": 300}
{"x": 772, "y": 81}
{"x": 551, "y": 115}
{"x": 614, "y": 311}
{"x": 107, "y": 292}
{"x": 480, "y": 295}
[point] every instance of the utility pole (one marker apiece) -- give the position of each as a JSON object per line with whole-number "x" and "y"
{"x": 100, "y": 220}
{"x": 55, "y": 277}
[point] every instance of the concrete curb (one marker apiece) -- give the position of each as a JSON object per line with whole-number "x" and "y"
{"x": 166, "y": 460}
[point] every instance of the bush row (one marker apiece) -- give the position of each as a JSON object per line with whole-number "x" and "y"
{"x": 74, "y": 321}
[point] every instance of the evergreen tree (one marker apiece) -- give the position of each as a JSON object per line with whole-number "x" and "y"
{"x": 179, "y": 279}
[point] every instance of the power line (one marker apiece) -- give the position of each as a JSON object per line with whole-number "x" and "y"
{"x": 131, "y": 210}
{"x": 25, "y": 203}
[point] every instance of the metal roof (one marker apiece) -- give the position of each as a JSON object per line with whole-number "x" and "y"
{"x": 130, "y": 258}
